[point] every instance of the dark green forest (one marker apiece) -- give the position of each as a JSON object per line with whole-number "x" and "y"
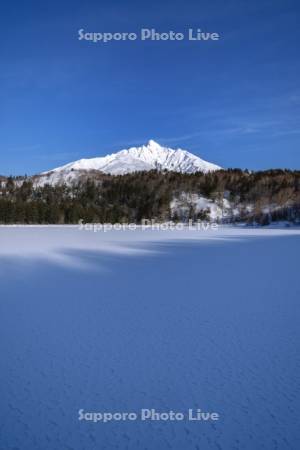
{"x": 273, "y": 195}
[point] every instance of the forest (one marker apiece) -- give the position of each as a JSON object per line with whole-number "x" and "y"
{"x": 254, "y": 197}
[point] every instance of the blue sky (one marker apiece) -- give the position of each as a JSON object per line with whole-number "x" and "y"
{"x": 235, "y": 102}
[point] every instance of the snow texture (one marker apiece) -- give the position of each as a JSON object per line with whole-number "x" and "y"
{"x": 125, "y": 320}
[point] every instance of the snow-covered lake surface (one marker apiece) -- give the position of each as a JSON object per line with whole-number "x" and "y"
{"x": 125, "y": 320}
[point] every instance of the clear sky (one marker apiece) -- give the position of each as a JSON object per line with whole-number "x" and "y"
{"x": 235, "y": 102}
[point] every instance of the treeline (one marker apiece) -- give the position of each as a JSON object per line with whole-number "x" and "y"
{"x": 258, "y": 196}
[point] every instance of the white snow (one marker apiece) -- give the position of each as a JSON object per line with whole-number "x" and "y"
{"x": 182, "y": 204}
{"x": 165, "y": 320}
{"x": 146, "y": 157}
{"x": 60, "y": 243}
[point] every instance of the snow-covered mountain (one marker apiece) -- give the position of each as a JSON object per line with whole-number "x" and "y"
{"x": 147, "y": 157}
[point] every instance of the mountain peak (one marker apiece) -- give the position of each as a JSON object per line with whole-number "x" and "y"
{"x": 152, "y": 143}
{"x": 144, "y": 158}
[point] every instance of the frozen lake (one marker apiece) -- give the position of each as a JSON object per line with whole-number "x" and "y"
{"x": 125, "y": 320}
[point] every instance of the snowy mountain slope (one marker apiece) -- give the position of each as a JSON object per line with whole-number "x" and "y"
{"x": 182, "y": 205}
{"x": 146, "y": 157}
